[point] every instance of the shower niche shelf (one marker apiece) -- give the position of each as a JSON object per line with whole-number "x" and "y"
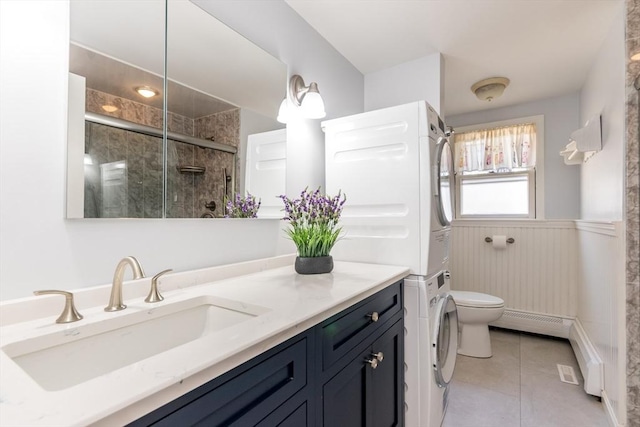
{"x": 197, "y": 170}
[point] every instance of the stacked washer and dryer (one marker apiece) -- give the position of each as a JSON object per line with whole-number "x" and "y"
{"x": 395, "y": 166}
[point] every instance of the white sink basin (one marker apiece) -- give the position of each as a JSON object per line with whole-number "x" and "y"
{"x": 66, "y": 358}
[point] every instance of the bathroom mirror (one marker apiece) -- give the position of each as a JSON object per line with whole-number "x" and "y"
{"x": 220, "y": 88}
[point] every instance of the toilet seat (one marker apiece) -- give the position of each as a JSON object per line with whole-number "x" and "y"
{"x": 476, "y": 299}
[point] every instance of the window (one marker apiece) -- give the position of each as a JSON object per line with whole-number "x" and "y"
{"x": 496, "y": 172}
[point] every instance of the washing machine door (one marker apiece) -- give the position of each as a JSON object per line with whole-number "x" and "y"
{"x": 444, "y": 345}
{"x": 444, "y": 183}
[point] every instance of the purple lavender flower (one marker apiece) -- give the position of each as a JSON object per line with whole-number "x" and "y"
{"x": 243, "y": 207}
{"x": 313, "y": 221}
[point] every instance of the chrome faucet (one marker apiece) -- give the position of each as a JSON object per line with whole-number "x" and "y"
{"x": 115, "y": 301}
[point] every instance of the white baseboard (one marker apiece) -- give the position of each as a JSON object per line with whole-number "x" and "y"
{"x": 608, "y": 409}
{"x": 536, "y": 323}
{"x": 589, "y": 361}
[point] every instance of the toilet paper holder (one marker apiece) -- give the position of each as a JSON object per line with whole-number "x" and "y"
{"x": 509, "y": 240}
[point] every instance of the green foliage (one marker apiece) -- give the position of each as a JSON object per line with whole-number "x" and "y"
{"x": 313, "y": 221}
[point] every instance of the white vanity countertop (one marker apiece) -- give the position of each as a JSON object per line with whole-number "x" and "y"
{"x": 292, "y": 304}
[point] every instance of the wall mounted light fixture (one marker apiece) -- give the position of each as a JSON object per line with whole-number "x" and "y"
{"x": 307, "y": 98}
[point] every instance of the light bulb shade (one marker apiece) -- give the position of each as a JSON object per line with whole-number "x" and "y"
{"x": 489, "y": 92}
{"x": 283, "y": 112}
{"x": 110, "y": 108}
{"x": 146, "y": 91}
{"x": 313, "y": 106}
{"x": 489, "y": 89}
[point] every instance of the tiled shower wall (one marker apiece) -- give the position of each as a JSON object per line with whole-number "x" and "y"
{"x": 632, "y": 216}
{"x": 142, "y": 155}
{"x": 187, "y": 193}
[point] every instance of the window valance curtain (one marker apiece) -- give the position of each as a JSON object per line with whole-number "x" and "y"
{"x": 496, "y": 150}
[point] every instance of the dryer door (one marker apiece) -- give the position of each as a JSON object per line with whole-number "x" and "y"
{"x": 444, "y": 184}
{"x": 444, "y": 346}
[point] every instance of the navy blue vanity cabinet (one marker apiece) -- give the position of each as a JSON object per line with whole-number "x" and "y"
{"x": 269, "y": 390}
{"x": 324, "y": 376}
{"x": 361, "y": 380}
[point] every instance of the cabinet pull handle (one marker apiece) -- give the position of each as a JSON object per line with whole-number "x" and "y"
{"x": 374, "y": 316}
{"x": 373, "y": 362}
{"x": 379, "y": 356}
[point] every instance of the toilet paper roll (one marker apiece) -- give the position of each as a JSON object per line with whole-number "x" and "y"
{"x": 499, "y": 242}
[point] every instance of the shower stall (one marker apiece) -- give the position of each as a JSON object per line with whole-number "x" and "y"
{"x": 123, "y": 172}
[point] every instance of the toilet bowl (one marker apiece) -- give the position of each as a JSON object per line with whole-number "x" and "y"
{"x": 475, "y": 312}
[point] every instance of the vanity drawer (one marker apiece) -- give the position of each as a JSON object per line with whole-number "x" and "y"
{"x": 347, "y": 329}
{"x": 243, "y": 396}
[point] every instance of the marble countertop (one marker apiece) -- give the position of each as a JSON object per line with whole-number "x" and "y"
{"x": 290, "y": 304}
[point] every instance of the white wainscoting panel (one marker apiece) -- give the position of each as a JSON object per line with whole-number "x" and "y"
{"x": 601, "y": 304}
{"x": 537, "y": 273}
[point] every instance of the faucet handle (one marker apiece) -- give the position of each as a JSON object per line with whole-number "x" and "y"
{"x": 154, "y": 294}
{"x": 69, "y": 313}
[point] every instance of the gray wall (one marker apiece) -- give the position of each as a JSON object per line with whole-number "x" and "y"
{"x": 420, "y": 79}
{"x": 279, "y": 30}
{"x": 603, "y": 93}
{"x": 561, "y": 117}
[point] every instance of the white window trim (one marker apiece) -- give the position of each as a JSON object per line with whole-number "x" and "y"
{"x": 539, "y": 175}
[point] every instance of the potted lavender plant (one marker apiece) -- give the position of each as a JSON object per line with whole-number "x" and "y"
{"x": 313, "y": 221}
{"x": 242, "y": 207}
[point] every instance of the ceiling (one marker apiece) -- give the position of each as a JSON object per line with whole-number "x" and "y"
{"x": 545, "y": 47}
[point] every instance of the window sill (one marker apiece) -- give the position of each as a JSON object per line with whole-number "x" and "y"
{"x": 513, "y": 222}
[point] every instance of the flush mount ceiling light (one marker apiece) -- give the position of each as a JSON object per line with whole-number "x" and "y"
{"x": 307, "y": 98}
{"x": 146, "y": 91}
{"x": 489, "y": 89}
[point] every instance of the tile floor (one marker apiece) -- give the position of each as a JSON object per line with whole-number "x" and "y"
{"x": 520, "y": 387}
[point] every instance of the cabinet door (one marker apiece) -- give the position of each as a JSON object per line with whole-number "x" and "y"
{"x": 387, "y": 381}
{"x": 365, "y": 394}
{"x": 344, "y": 396}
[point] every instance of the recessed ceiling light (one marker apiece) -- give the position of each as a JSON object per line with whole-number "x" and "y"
{"x": 110, "y": 108}
{"x": 146, "y": 91}
{"x": 635, "y": 56}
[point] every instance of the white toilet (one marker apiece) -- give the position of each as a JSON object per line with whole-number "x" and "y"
{"x": 475, "y": 312}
